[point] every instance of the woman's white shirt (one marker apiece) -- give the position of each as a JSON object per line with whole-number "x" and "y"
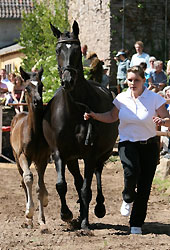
{"x": 135, "y": 116}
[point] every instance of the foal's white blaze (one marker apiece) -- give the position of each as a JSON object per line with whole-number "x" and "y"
{"x": 68, "y": 45}
{"x": 34, "y": 82}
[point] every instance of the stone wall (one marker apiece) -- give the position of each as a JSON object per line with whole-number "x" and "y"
{"x": 102, "y": 27}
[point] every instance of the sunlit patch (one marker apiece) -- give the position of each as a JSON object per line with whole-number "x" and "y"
{"x": 68, "y": 45}
{"x": 34, "y": 82}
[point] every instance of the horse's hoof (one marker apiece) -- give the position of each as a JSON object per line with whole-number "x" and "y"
{"x": 67, "y": 216}
{"x": 29, "y": 213}
{"x": 100, "y": 210}
{"x": 85, "y": 226}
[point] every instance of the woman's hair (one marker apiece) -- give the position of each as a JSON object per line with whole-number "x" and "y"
{"x": 19, "y": 79}
{"x": 137, "y": 70}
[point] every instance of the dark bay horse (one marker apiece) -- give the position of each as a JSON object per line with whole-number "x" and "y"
{"x": 29, "y": 145}
{"x": 66, "y": 130}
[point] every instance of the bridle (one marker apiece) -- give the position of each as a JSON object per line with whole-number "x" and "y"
{"x": 68, "y": 68}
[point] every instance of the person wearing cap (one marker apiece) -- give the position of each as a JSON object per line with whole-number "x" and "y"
{"x": 123, "y": 64}
{"x": 105, "y": 77}
{"x": 140, "y": 56}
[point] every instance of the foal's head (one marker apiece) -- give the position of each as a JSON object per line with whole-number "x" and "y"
{"x": 33, "y": 86}
{"x": 69, "y": 56}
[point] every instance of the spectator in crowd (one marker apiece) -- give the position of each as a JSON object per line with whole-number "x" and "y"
{"x": 85, "y": 61}
{"x": 138, "y": 145}
{"x": 3, "y": 91}
{"x": 12, "y": 77}
{"x": 152, "y": 59}
{"x": 140, "y": 56}
{"x": 158, "y": 77}
{"x": 5, "y": 80}
{"x": 165, "y": 140}
{"x": 147, "y": 75}
{"x": 168, "y": 71}
{"x": 105, "y": 77}
{"x": 96, "y": 67}
{"x": 123, "y": 65}
{"x": 18, "y": 93}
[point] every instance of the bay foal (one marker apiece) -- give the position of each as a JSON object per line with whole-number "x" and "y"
{"x": 29, "y": 145}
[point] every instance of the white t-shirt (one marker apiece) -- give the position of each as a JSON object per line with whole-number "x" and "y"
{"x": 8, "y": 83}
{"x": 137, "y": 59}
{"x": 135, "y": 116}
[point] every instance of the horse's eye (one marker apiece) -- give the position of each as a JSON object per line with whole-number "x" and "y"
{"x": 57, "y": 51}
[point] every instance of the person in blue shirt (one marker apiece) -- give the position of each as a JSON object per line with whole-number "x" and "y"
{"x": 123, "y": 65}
{"x": 140, "y": 56}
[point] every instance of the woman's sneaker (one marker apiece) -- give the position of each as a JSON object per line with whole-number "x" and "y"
{"x": 136, "y": 230}
{"x": 126, "y": 208}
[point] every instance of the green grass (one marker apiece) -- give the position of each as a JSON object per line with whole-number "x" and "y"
{"x": 161, "y": 185}
{"x": 114, "y": 158}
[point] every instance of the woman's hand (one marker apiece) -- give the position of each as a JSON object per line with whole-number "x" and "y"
{"x": 89, "y": 115}
{"x": 158, "y": 121}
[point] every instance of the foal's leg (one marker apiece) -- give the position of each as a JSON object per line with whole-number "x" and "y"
{"x": 28, "y": 181}
{"x": 73, "y": 167}
{"x": 41, "y": 191}
{"x": 99, "y": 210}
{"x": 61, "y": 187}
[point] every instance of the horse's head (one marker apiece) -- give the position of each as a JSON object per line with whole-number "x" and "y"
{"x": 69, "y": 55}
{"x": 33, "y": 85}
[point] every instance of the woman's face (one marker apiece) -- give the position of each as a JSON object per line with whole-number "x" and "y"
{"x": 135, "y": 83}
{"x": 167, "y": 95}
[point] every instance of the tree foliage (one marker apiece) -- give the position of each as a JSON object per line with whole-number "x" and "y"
{"x": 39, "y": 43}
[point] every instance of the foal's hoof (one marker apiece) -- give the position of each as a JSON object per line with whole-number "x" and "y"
{"x": 67, "y": 216}
{"x": 100, "y": 210}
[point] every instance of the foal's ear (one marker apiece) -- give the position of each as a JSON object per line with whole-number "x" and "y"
{"x": 75, "y": 28}
{"x": 55, "y": 31}
{"x": 24, "y": 74}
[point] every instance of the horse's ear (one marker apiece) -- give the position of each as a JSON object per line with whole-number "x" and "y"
{"x": 24, "y": 74}
{"x": 75, "y": 28}
{"x": 40, "y": 72}
{"x": 55, "y": 31}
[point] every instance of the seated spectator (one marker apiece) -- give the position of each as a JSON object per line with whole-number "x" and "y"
{"x": 140, "y": 56}
{"x": 152, "y": 59}
{"x": 158, "y": 77}
{"x": 105, "y": 77}
{"x": 96, "y": 67}
{"x": 18, "y": 93}
{"x": 5, "y": 80}
{"x": 147, "y": 75}
{"x": 123, "y": 65}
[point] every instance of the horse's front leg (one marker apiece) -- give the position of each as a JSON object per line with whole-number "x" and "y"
{"x": 61, "y": 187}
{"x": 99, "y": 210}
{"x": 41, "y": 191}
{"x": 28, "y": 181}
{"x": 74, "y": 169}
{"x": 86, "y": 192}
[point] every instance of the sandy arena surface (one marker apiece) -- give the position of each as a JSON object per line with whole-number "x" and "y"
{"x": 110, "y": 232}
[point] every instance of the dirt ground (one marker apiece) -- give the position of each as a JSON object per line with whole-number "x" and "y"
{"x": 110, "y": 232}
